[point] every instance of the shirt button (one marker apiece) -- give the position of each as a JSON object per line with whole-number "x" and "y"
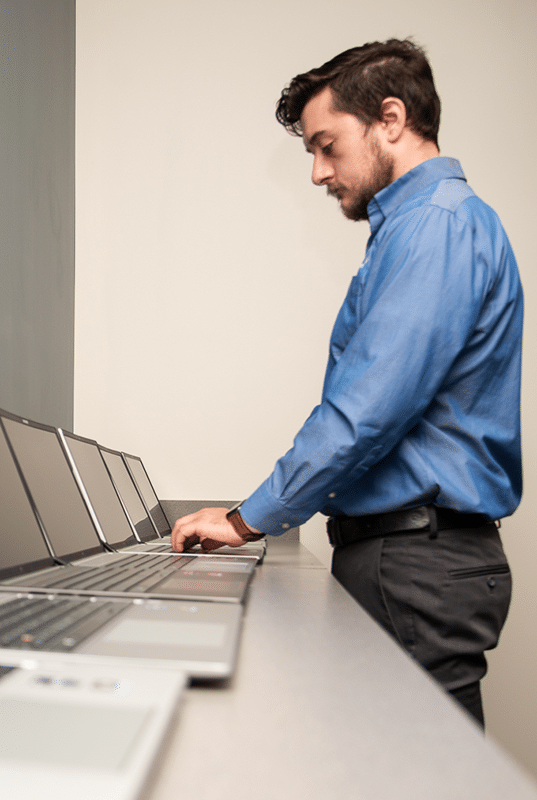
{"x": 285, "y": 525}
{"x": 332, "y": 495}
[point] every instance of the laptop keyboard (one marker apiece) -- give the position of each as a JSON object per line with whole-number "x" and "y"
{"x": 134, "y": 573}
{"x": 57, "y": 624}
{"x": 161, "y": 548}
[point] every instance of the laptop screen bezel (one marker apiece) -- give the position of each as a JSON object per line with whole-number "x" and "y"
{"x": 68, "y": 556}
{"x": 115, "y": 545}
{"x": 161, "y": 533}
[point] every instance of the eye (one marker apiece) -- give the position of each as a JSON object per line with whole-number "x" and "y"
{"x": 327, "y": 149}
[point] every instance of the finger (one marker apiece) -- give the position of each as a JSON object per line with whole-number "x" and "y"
{"x": 210, "y": 544}
{"x": 182, "y": 541}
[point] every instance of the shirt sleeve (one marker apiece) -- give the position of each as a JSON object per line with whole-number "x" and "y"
{"x": 402, "y": 330}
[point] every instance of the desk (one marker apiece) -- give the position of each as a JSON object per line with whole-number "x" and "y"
{"x": 324, "y": 705}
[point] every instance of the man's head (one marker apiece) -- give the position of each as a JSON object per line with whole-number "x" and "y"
{"x": 361, "y": 78}
{"x": 367, "y": 116}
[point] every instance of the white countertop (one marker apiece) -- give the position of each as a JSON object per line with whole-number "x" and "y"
{"x": 324, "y": 705}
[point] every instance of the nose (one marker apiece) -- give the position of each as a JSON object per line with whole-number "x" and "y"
{"x": 321, "y": 171}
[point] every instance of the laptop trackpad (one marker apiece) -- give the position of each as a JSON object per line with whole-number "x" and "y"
{"x": 68, "y": 735}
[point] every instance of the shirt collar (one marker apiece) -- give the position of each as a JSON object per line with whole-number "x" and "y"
{"x": 389, "y": 199}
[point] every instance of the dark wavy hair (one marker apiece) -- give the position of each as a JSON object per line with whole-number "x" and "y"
{"x": 361, "y": 78}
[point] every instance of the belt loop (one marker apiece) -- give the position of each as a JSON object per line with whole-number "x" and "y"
{"x": 433, "y": 522}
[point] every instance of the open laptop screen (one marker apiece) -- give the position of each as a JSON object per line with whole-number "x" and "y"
{"x": 53, "y": 488}
{"x": 129, "y": 494}
{"x": 101, "y": 491}
{"x": 147, "y": 492}
{"x": 22, "y": 546}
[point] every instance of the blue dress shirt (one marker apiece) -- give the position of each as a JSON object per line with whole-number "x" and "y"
{"x": 421, "y": 399}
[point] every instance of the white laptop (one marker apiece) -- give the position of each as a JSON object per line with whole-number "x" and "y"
{"x": 81, "y": 728}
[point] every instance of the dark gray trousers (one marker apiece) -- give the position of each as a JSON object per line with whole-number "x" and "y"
{"x": 443, "y": 599}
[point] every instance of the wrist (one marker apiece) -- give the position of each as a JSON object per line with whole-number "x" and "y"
{"x": 240, "y": 527}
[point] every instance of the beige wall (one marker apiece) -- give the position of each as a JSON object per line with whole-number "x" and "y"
{"x": 209, "y": 269}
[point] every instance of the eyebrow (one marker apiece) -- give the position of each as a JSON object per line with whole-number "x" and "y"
{"x": 314, "y": 139}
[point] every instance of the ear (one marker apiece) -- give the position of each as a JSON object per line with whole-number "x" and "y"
{"x": 393, "y": 118}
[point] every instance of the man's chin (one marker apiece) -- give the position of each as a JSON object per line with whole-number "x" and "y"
{"x": 356, "y": 212}
{"x": 351, "y": 207}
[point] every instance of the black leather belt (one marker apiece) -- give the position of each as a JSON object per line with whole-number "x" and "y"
{"x": 344, "y": 530}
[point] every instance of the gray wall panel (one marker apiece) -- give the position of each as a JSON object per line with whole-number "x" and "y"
{"x": 37, "y": 132}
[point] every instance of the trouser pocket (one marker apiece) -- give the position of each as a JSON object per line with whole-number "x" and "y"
{"x": 477, "y": 572}
{"x": 446, "y": 614}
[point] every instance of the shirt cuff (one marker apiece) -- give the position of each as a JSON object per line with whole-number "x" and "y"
{"x": 263, "y": 512}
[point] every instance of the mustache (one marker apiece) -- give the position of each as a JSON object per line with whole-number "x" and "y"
{"x": 333, "y": 191}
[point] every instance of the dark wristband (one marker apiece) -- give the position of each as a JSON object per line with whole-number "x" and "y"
{"x": 241, "y": 528}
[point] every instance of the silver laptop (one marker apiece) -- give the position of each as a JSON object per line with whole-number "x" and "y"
{"x": 74, "y": 727}
{"x": 153, "y": 507}
{"x": 200, "y": 638}
{"x": 73, "y": 541}
{"x": 117, "y": 529}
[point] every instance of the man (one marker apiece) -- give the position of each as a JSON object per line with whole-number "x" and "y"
{"x": 414, "y": 450}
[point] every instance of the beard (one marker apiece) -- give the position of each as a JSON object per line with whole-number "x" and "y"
{"x": 381, "y": 175}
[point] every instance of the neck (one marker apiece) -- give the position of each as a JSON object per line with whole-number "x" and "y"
{"x": 416, "y": 152}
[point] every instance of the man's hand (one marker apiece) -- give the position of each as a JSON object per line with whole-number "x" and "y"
{"x": 210, "y": 527}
